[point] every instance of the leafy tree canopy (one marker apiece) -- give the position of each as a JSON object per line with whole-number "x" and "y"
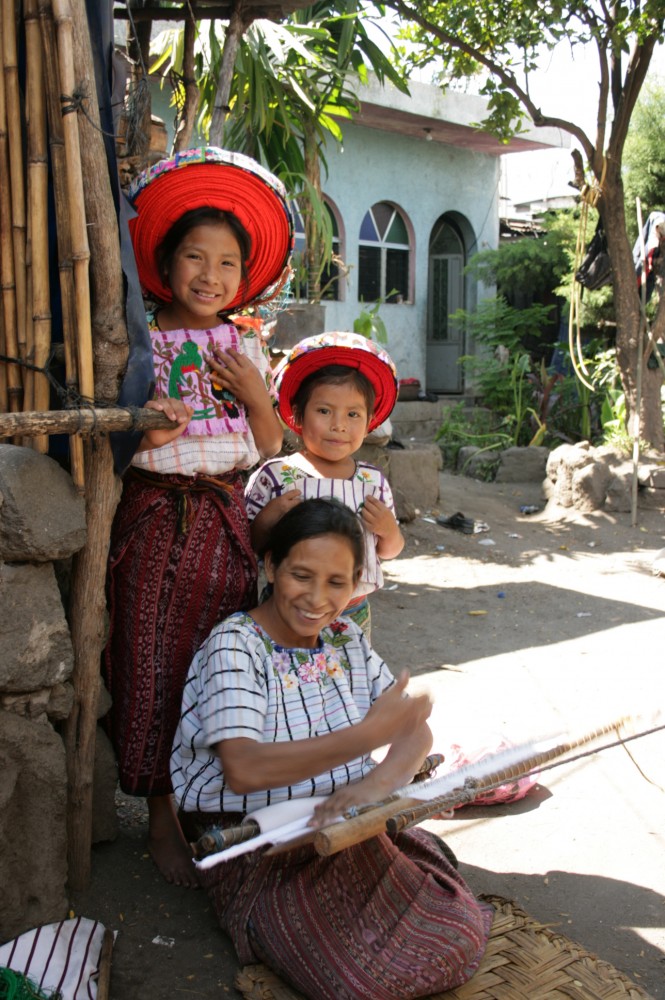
{"x": 644, "y": 154}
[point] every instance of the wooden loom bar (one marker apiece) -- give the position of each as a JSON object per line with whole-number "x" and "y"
{"x": 409, "y": 810}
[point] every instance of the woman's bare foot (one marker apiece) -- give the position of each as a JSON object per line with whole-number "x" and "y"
{"x": 167, "y": 845}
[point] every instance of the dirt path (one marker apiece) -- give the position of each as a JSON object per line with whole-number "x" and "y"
{"x": 558, "y": 624}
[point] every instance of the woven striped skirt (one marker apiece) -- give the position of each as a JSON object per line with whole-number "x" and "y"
{"x": 382, "y": 920}
{"x": 180, "y": 561}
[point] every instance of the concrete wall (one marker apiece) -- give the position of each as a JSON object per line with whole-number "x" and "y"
{"x": 425, "y": 180}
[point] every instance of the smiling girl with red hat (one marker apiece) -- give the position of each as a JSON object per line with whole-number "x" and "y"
{"x": 212, "y": 235}
{"x": 334, "y": 389}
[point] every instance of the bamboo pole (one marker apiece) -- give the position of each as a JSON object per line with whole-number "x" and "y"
{"x": 38, "y": 210}
{"x": 76, "y": 206}
{"x": 65, "y": 264}
{"x": 3, "y": 367}
{"x": 14, "y": 129}
{"x": 7, "y": 271}
{"x": 28, "y": 350}
{"x": 84, "y": 421}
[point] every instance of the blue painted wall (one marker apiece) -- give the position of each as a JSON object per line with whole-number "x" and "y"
{"x": 425, "y": 180}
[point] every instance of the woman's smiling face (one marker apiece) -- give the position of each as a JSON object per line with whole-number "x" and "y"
{"x": 311, "y": 586}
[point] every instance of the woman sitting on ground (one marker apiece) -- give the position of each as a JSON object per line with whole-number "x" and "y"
{"x": 289, "y": 701}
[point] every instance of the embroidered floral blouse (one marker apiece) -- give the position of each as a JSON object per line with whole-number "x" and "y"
{"x": 218, "y": 438}
{"x": 241, "y": 684}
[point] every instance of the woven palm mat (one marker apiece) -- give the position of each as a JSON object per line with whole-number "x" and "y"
{"x": 524, "y": 960}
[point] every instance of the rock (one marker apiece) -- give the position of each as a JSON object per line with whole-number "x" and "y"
{"x": 522, "y": 465}
{"x": 589, "y": 486}
{"x": 414, "y": 472}
{"x": 561, "y": 464}
{"x": 33, "y": 840}
{"x": 619, "y": 489}
{"x": 404, "y": 509}
{"x": 61, "y": 699}
{"x": 42, "y": 517}
{"x": 36, "y": 645}
{"x": 477, "y": 463}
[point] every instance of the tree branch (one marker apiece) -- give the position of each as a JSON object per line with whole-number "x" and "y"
{"x": 508, "y": 80}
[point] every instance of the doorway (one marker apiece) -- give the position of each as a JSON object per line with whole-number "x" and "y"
{"x": 445, "y": 338}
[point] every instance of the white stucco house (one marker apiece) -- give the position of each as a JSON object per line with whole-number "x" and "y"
{"x": 414, "y": 193}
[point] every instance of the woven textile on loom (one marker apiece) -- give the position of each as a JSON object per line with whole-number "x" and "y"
{"x": 524, "y": 960}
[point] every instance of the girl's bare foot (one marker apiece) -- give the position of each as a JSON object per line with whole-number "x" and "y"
{"x": 167, "y": 845}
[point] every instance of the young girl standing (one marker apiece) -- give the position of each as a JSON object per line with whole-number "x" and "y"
{"x": 333, "y": 390}
{"x": 213, "y": 233}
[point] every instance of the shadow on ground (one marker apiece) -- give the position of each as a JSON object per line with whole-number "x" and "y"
{"x": 610, "y": 911}
{"x": 487, "y": 621}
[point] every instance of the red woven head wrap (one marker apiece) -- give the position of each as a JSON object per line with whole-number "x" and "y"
{"x": 212, "y": 177}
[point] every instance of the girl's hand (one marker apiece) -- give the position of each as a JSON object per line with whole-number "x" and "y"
{"x": 276, "y": 508}
{"x": 178, "y": 412}
{"x": 269, "y": 515}
{"x": 381, "y": 521}
{"x": 237, "y": 373}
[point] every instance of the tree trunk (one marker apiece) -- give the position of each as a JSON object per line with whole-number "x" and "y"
{"x": 110, "y": 342}
{"x": 630, "y": 338}
{"x": 313, "y": 235}
{"x": 186, "y": 127}
{"x": 239, "y": 22}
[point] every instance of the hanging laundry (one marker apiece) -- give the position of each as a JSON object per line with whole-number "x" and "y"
{"x": 653, "y": 233}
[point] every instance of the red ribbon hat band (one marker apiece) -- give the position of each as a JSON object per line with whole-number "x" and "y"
{"x": 349, "y": 349}
{"x": 232, "y": 182}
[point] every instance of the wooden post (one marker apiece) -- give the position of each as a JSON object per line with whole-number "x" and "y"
{"x": 110, "y": 346}
{"x": 88, "y": 421}
{"x": 65, "y": 264}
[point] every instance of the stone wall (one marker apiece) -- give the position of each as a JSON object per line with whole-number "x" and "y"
{"x": 588, "y": 478}
{"x": 42, "y": 524}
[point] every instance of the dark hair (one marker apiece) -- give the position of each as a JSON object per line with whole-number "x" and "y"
{"x": 205, "y": 215}
{"x": 311, "y": 518}
{"x": 332, "y": 375}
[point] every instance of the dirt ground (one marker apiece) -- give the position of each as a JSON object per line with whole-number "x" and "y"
{"x": 545, "y": 623}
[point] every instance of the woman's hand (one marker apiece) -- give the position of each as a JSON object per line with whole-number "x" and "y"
{"x": 178, "y": 412}
{"x": 397, "y": 716}
{"x": 373, "y": 789}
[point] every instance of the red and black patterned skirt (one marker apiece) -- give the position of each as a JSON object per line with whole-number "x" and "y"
{"x": 180, "y": 561}
{"x": 376, "y": 921}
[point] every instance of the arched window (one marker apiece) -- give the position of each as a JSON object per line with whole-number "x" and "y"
{"x": 383, "y": 255}
{"x": 330, "y": 279}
